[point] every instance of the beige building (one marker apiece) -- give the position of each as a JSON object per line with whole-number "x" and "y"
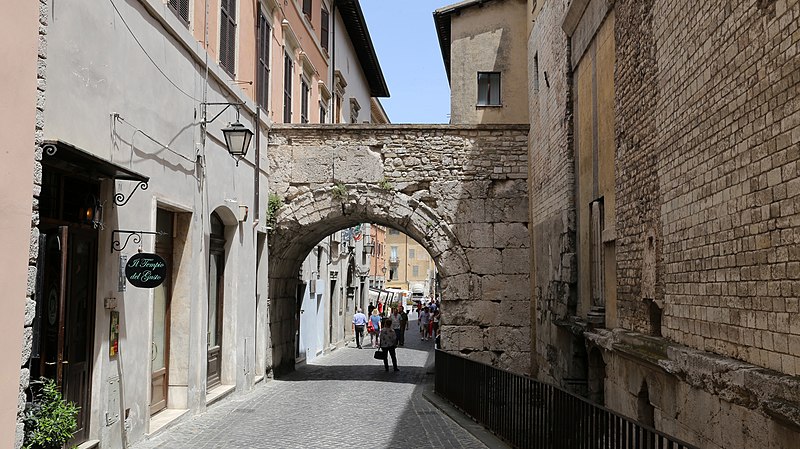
{"x": 483, "y": 48}
{"x": 409, "y": 266}
{"x": 20, "y": 119}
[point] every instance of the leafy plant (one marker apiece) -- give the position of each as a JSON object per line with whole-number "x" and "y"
{"x": 385, "y": 184}
{"x": 273, "y": 204}
{"x": 339, "y": 191}
{"x": 49, "y": 420}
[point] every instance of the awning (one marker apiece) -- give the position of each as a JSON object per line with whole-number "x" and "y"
{"x": 68, "y": 157}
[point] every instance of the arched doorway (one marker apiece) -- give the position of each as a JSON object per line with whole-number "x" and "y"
{"x": 216, "y": 300}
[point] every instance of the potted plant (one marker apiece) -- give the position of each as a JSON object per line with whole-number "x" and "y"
{"x": 49, "y": 420}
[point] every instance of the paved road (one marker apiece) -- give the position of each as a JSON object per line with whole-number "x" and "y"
{"x": 344, "y": 399}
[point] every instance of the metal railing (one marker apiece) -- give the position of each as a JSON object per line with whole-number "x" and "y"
{"x": 527, "y": 413}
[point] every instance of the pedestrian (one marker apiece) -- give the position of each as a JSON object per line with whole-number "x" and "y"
{"x": 424, "y": 323}
{"x": 395, "y": 316}
{"x": 374, "y": 327}
{"x": 388, "y": 343}
{"x": 359, "y": 321}
{"x": 370, "y": 308}
{"x": 401, "y": 334}
{"x": 435, "y": 323}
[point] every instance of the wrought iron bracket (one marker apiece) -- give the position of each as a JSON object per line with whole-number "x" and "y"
{"x": 120, "y": 199}
{"x": 136, "y": 236}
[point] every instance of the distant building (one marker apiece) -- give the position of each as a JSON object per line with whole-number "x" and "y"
{"x": 483, "y": 45}
{"x": 409, "y": 266}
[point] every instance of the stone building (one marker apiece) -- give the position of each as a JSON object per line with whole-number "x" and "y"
{"x": 663, "y": 154}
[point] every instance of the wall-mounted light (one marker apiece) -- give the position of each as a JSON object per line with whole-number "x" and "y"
{"x": 237, "y": 136}
{"x": 368, "y": 247}
{"x": 91, "y": 212}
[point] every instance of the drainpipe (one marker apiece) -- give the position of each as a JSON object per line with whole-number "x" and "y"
{"x": 257, "y": 90}
{"x": 333, "y": 62}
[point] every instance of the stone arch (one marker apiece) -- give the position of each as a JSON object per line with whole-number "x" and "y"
{"x": 309, "y": 216}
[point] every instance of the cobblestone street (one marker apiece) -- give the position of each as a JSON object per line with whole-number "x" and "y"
{"x": 344, "y": 399}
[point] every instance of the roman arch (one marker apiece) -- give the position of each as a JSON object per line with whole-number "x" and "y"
{"x": 459, "y": 190}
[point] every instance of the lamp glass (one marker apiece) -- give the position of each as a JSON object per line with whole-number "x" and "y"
{"x": 237, "y": 139}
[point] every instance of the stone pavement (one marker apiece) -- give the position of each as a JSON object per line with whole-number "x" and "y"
{"x": 344, "y": 399}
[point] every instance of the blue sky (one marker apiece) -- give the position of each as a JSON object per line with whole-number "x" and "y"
{"x": 405, "y": 40}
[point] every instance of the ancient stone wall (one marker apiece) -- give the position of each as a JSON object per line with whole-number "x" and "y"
{"x": 30, "y": 303}
{"x": 708, "y": 145}
{"x": 460, "y": 191}
{"x": 551, "y": 184}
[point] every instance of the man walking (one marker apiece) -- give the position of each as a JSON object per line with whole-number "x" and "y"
{"x": 401, "y": 332}
{"x": 359, "y": 321}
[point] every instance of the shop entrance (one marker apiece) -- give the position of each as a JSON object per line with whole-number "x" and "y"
{"x": 66, "y": 291}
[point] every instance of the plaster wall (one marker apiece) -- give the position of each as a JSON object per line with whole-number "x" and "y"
{"x": 347, "y": 63}
{"x": 157, "y": 133}
{"x": 19, "y": 35}
{"x": 489, "y": 38}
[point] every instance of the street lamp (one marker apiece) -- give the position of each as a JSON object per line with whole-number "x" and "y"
{"x": 368, "y": 246}
{"x": 237, "y": 136}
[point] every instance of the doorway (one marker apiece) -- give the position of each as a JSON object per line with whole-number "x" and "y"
{"x": 66, "y": 292}
{"x": 216, "y": 285}
{"x": 162, "y": 301}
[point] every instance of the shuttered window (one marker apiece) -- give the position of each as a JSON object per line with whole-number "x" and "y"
{"x": 181, "y": 8}
{"x": 304, "y": 94}
{"x": 307, "y": 5}
{"x": 263, "y": 60}
{"x": 287, "y": 88}
{"x": 227, "y": 36}
{"x": 324, "y": 27}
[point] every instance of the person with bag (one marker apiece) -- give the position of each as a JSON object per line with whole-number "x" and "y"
{"x": 388, "y": 343}
{"x": 374, "y": 327}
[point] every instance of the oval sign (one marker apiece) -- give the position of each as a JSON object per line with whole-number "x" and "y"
{"x": 146, "y": 270}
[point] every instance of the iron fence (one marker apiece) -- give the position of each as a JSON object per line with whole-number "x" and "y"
{"x": 530, "y": 414}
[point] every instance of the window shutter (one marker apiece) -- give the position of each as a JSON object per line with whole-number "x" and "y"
{"x": 181, "y": 8}
{"x": 307, "y": 4}
{"x": 324, "y": 25}
{"x": 227, "y": 33}
{"x": 263, "y": 60}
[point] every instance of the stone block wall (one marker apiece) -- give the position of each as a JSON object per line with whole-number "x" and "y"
{"x": 551, "y": 184}
{"x": 30, "y": 303}
{"x": 460, "y": 191}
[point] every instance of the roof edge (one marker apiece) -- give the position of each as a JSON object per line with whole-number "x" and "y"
{"x": 358, "y": 32}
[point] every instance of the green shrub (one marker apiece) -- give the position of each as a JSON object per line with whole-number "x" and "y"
{"x": 385, "y": 185}
{"x": 50, "y": 421}
{"x": 339, "y": 191}
{"x": 274, "y": 203}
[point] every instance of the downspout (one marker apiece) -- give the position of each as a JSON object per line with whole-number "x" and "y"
{"x": 334, "y": 106}
{"x": 257, "y": 90}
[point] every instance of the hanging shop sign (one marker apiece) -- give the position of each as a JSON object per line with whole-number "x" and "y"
{"x": 146, "y": 270}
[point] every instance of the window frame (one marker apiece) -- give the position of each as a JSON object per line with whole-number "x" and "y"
{"x": 287, "y": 87}
{"x": 176, "y": 6}
{"x": 263, "y": 64}
{"x": 489, "y": 101}
{"x": 227, "y": 22}
{"x": 324, "y": 25}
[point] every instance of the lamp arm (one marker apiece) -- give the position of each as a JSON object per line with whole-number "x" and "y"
{"x": 227, "y": 105}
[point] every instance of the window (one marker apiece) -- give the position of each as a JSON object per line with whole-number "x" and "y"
{"x": 393, "y": 253}
{"x": 488, "y": 88}
{"x": 263, "y": 60}
{"x": 227, "y": 36}
{"x": 394, "y": 231}
{"x": 415, "y": 271}
{"x": 411, "y": 254}
{"x": 304, "y": 93}
{"x": 181, "y": 8}
{"x": 307, "y": 8}
{"x": 354, "y": 109}
{"x": 324, "y": 26}
{"x": 287, "y": 88}
{"x": 323, "y": 112}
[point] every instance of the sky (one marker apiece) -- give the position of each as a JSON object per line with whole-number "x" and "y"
{"x": 405, "y": 40}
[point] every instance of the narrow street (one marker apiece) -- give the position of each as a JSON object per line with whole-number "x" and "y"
{"x": 344, "y": 399}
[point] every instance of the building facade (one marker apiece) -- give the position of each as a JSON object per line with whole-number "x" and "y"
{"x": 662, "y": 155}
{"x": 132, "y": 164}
{"x": 483, "y": 49}
{"x": 409, "y": 266}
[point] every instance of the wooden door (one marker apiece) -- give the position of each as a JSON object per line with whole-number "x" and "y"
{"x": 162, "y": 298}
{"x": 216, "y": 286}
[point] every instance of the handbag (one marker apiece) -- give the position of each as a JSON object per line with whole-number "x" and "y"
{"x": 379, "y": 355}
{"x": 370, "y": 327}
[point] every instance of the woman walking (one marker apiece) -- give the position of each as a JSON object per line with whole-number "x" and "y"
{"x": 374, "y": 327}
{"x": 388, "y": 342}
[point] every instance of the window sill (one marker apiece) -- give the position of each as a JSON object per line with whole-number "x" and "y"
{"x": 480, "y": 106}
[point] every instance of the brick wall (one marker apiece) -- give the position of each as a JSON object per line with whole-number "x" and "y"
{"x": 708, "y": 135}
